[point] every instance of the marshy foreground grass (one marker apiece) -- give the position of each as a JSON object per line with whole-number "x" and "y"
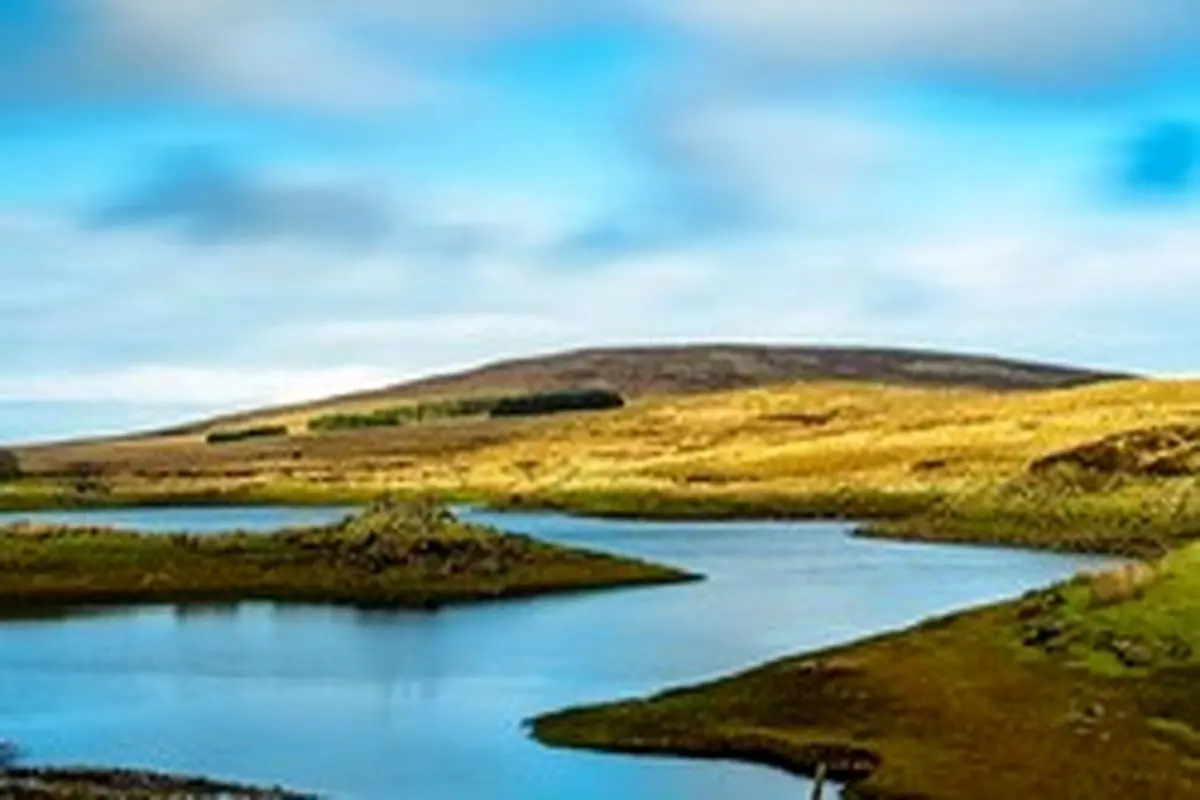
{"x": 1090, "y": 689}
{"x": 95, "y": 784}
{"x": 396, "y": 553}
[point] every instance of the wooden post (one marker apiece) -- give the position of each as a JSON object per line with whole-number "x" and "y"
{"x": 819, "y": 781}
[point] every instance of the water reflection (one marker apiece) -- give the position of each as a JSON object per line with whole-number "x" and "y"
{"x": 201, "y": 611}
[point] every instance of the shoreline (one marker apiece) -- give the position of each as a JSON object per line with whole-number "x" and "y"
{"x": 900, "y": 517}
{"x": 841, "y": 505}
{"x": 1052, "y": 694}
{"x": 1084, "y": 545}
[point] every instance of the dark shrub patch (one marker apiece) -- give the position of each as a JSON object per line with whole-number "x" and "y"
{"x": 242, "y": 434}
{"x": 10, "y": 466}
{"x": 558, "y": 402}
{"x": 412, "y": 413}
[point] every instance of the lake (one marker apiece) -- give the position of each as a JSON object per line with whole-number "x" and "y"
{"x": 383, "y": 705}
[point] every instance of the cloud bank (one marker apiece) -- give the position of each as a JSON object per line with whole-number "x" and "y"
{"x": 358, "y": 55}
{"x": 221, "y": 202}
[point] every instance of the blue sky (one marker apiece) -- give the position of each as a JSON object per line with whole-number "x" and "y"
{"x": 212, "y": 204}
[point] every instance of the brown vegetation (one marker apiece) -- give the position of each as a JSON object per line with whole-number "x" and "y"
{"x": 1162, "y": 451}
{"x": 1122, "y": 584}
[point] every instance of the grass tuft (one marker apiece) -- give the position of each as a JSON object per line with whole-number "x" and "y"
{"x": 1120, "y": 585}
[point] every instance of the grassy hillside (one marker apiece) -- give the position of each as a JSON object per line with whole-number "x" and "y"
{"x": 1106, "y": 466}
{"x": 1091, "y": 689}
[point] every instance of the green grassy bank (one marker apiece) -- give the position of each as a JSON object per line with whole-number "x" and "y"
{"x": 1090, "y": 689}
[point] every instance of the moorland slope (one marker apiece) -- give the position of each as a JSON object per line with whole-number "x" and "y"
{"x": 686, "y": 369}
{"x": 1109, "y": 466}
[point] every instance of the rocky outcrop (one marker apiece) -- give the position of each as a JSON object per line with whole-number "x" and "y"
{"x": 420, "y": 536}
{"x": 1043, "y": 627}
{"x": 1160, "y": 452}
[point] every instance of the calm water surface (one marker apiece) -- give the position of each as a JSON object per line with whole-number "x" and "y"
{"x": 429, "y": 705}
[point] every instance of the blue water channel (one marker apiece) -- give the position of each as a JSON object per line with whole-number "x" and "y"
{"x": 386, "y": 705}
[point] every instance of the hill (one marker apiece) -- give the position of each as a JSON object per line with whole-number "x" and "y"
{"x": 689, "y": 369}
{"x": 682, "y": 369}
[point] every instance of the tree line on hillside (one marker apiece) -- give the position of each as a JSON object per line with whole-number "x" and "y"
{"x": 411, "y": 413}
{"x": 532, "y": 404}
{"x": 558, "y": 402}
{"x": 228, "y": 436}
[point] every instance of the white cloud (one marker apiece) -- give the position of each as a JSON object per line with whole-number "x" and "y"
{"x": 258, "y": 51}
{"x": 354, "y": 55}
{"x": 143, "y": 318}
{"x": 1097, "y": 291}
{"x": 436, "y": 330}
{"x": 1074, "y": 266}
{"x": 154, "y": 384}
{"x": 791, "y": 161}
{"x": 1030, "y": 43}
{"x": 345, "y": 56}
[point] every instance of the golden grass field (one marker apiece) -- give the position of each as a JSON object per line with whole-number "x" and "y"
{"x": 960, "y": 457}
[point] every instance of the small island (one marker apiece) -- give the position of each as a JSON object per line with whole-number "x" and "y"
{"x": 396, "y": 553}
{"x": 1087, "y": 689}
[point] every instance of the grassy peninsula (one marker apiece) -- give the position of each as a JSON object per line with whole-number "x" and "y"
{"x": 1089, "y": 689}
{"x": 396, "y": 553}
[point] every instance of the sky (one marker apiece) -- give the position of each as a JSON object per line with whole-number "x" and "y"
{"x": 218, "y": 204}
